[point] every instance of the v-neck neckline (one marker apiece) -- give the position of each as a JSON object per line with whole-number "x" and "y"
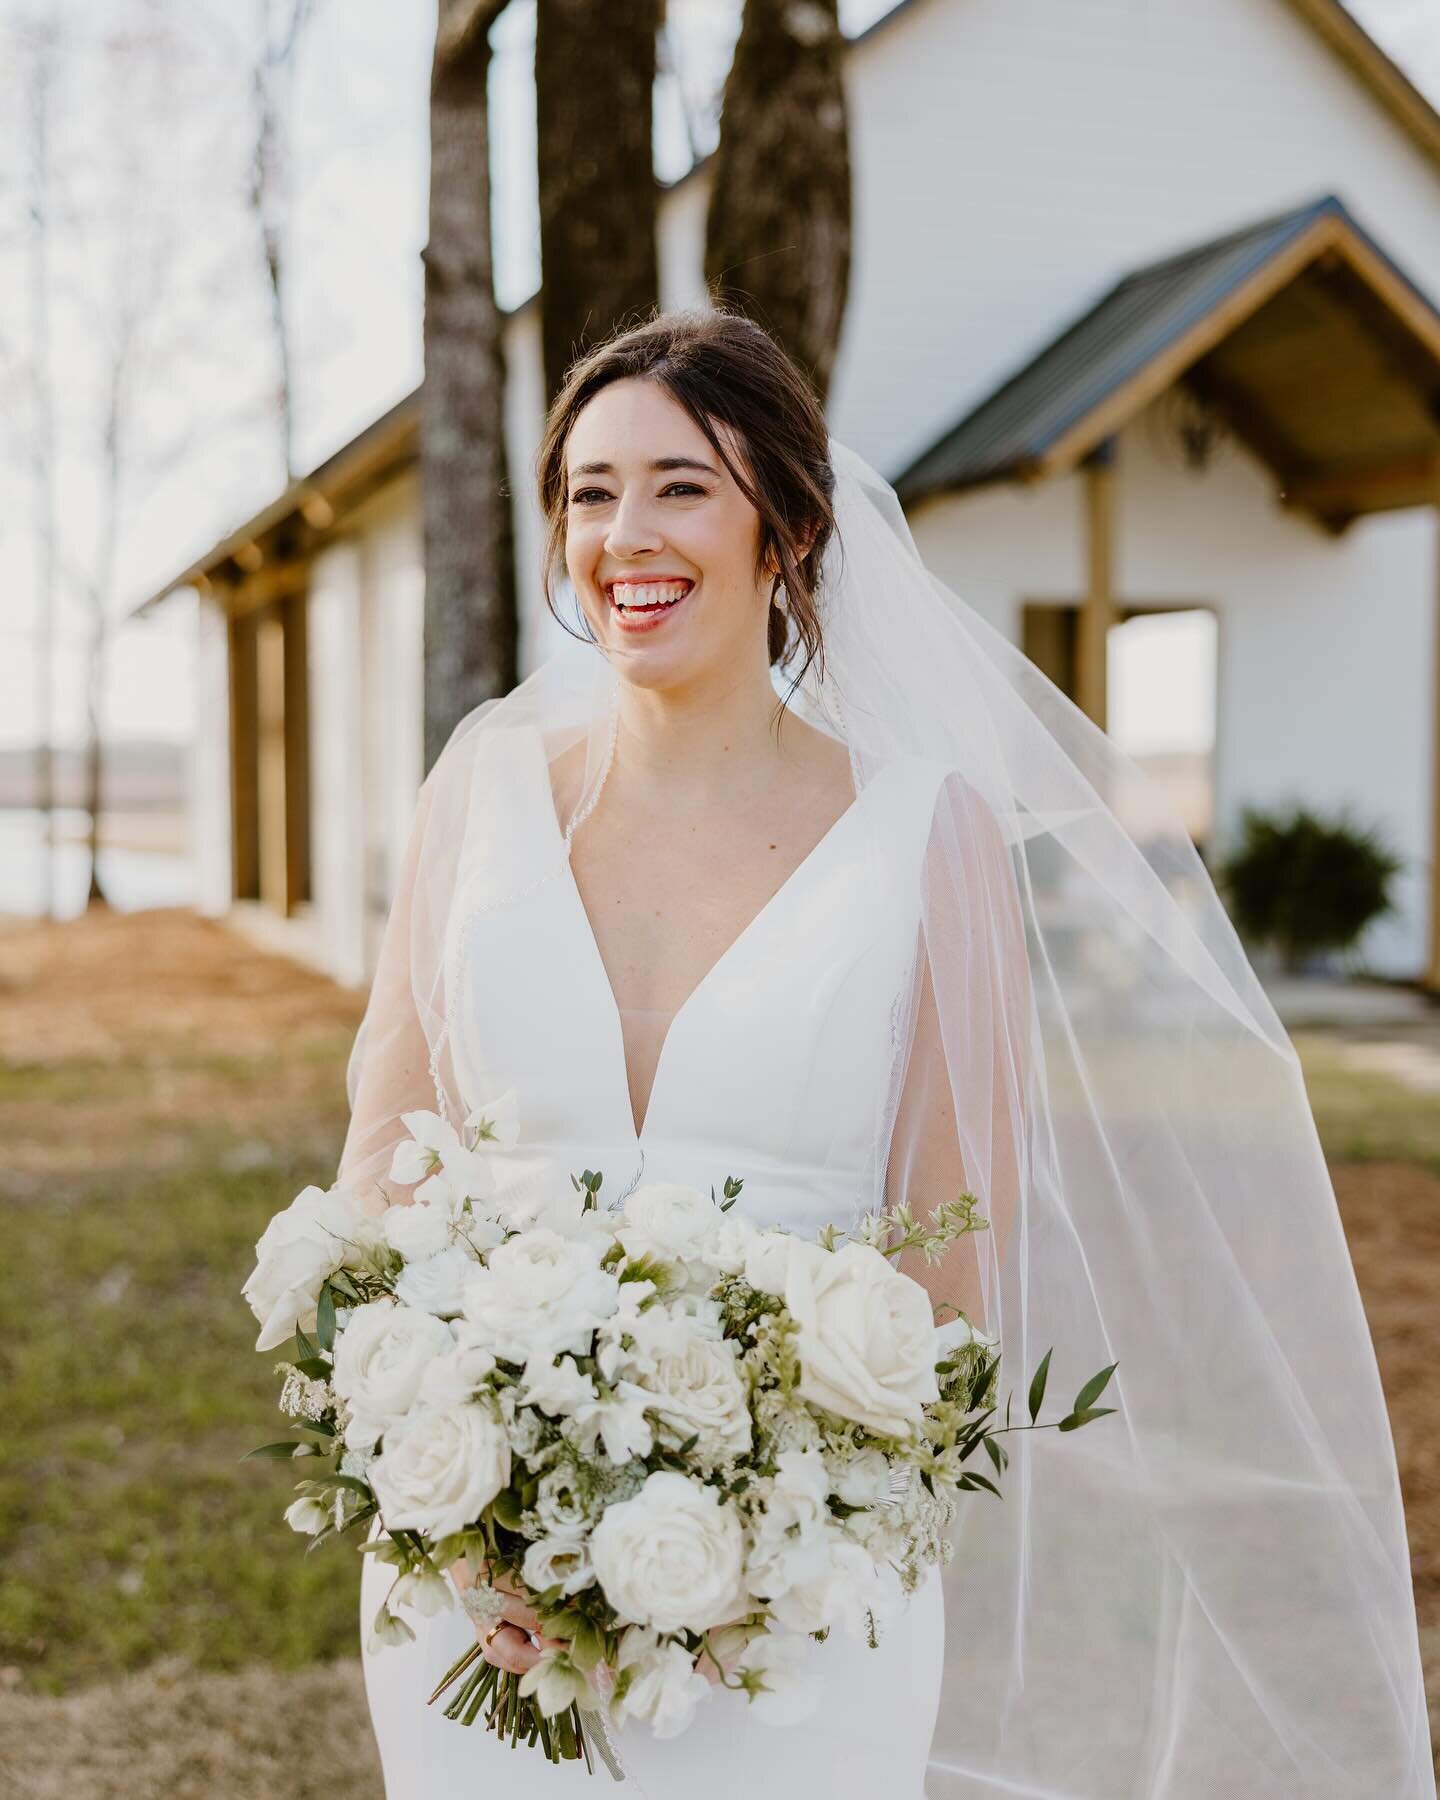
{"x": 733, "y": 949}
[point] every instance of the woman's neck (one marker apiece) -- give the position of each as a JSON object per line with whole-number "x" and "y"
{"x": 694, "y": 745}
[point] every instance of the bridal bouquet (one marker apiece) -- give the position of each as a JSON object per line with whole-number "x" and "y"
{"x": 683, "y": 1434}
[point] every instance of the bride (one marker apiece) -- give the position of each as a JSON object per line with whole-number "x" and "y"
{"x": 792, "y": 869}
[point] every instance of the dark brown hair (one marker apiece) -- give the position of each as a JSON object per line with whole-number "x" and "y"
{"x": 724, "y": 370}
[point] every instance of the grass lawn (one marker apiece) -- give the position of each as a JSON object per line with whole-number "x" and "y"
{"x": 163, "y": 1090}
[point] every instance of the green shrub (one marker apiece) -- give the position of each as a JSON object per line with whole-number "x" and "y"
{"x": 1304, "y": 884}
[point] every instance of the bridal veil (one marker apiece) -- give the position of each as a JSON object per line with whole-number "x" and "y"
{"x": 1207, "y": 1593}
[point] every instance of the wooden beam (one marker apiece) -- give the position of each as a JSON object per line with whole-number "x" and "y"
{"x": 1166, "y": 368}
{"x": 1097, "y": 610}
{"x": 1349, "y": 40}
{"x": 244, "y": 797}
{"x": 1409, "y": 482}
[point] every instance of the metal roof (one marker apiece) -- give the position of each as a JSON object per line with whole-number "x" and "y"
{"x": 1137, "y": 321}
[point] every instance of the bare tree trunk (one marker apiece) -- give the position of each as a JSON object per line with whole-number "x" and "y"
{"x": 41, "y": 82}
{"x": 471, "y": 627}
{"x": 594, "y": 84}
{"x": 269, "y": 185}
{"x": 778, "y": 233}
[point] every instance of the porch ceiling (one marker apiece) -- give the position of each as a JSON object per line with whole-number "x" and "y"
{"x": 1310, "y": 343}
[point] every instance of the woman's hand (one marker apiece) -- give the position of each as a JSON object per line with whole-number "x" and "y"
{"x": 515, "y": 1642}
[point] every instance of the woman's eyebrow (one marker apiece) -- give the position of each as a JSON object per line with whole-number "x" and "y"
{"x": 660, "y": 462}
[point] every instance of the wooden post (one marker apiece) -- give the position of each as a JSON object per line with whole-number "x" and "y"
{"x": 1097, "y": 611}
{"x": 270, "y": 710}
{"x": 1432, "y": 974}
{"x": 244, "y": 796}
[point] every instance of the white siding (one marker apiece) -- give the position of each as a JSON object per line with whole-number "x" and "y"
{"x": 1013, "y": 158}
{"x": 337, "y": 800}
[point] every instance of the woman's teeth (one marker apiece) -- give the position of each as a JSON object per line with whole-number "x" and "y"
{"x": 647, "y": 596}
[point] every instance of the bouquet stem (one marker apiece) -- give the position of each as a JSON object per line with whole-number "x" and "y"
{"x": 508, "y": 1712}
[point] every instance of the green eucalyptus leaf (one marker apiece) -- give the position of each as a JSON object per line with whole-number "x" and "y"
{"x": 275, "y": 1452}
{"x": 1094, "y": 1387}
{"x": 1037, "y": 1386}
{"x": 325, "y": 1319}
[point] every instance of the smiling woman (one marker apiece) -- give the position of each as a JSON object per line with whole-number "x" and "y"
{"x": 861, "y": 923}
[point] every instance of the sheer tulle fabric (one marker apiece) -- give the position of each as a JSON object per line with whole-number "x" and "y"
{"x": 1209, "y": 1591}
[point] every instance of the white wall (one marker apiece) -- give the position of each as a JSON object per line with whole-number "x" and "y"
{"x": 337, "y": 797}
{"x": 1013, "y": 158}
{"x": 1326, "y": 645}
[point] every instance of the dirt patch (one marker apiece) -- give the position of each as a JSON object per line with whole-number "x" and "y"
{"x": 172, "y": 1734}
{"x": 122, "y": 1035}
{"x": 1391, "y": 1213}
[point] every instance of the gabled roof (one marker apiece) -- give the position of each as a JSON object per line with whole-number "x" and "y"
{"x": 1310, "y": 278}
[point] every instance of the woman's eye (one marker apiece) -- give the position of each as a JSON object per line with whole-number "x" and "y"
{"x": 583, "y": 497}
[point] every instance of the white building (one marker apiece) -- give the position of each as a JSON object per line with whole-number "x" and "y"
{"x": 1138, "y": 321}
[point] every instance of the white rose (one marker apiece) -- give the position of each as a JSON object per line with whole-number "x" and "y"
{"x": 866, "y": 1336}
{"x": 562, "y": 1562}
{"x": 699, "y": 1389}
{"x": 297, "y": 1253}
{"x": 556, "y": 1388}
{"x": 440, "y": 1469}
{"x": 767, "y": 1261}
{"x": 452, "y": 1379}
{"x": 540, "y": 1294}
{"x": 664, "y": 1687}
{"x": 380, "y": 1358}
{"x": 671, "y": 1556}
{"x": 417, "y": 1230}
{"x": 436, "y": 1285}
{"x": 666, "y": 1220}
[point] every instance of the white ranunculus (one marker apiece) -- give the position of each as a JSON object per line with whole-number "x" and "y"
{"x": 671, "y": 1556}
{"x": 437, "y": 1285}
{"x": 700, "y": 1389}
{"x": 298, "y": 1251}
{"x": 729, "y": 1242}
{"x": 453, "y": 1378}
{"x": 556, "y": 1388}
{"x": 562, "y": 1562}
{"x": 792, "y": 1684}
{"x": 835, "y": 1585}
{"x": 767, "y": 1261}
{"x": 664, "y": 1687}
{"x": 861, "y": 1479}
{"x": 866, "y": 1336}
{"x": 441, "y": 1467}
{"x": 380, "y": 1357}
{"x": 417, "y": 1230}
{"x": 666, "y": 1220}
{"x": 540, "y": 1294}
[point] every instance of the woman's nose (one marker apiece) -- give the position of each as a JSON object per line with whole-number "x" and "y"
{"x": 633, "y": 527}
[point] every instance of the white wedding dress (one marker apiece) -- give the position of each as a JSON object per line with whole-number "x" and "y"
{"x": 775, "y": 1069}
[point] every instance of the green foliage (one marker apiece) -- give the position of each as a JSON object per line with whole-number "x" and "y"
{"x": 1306, "y": 884}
